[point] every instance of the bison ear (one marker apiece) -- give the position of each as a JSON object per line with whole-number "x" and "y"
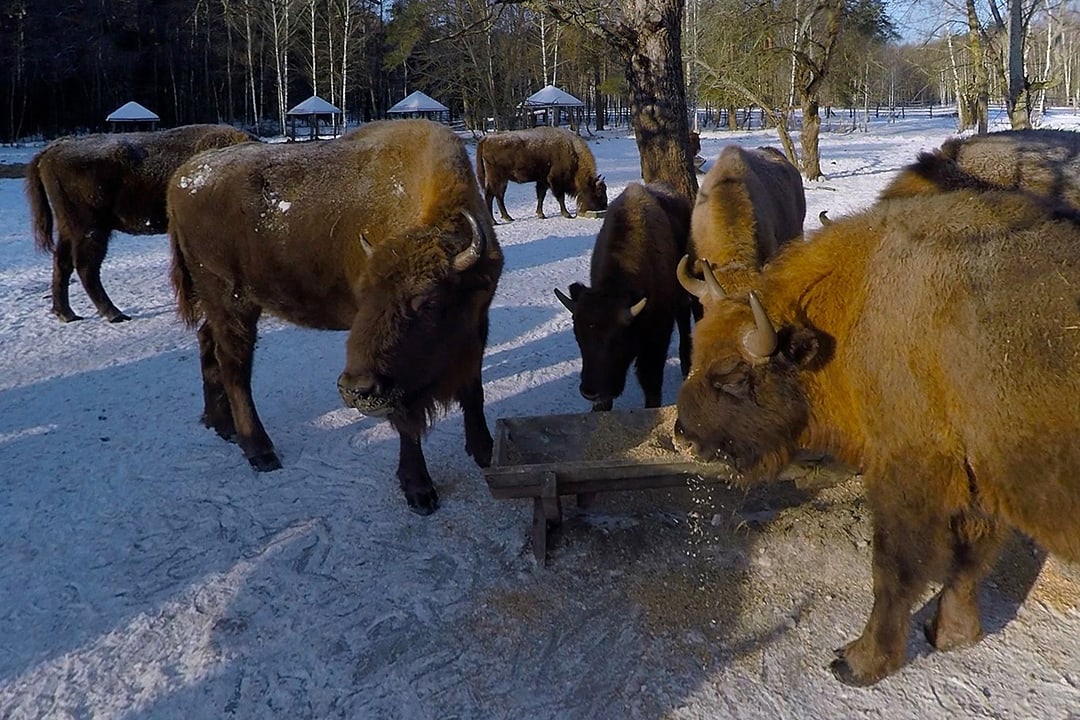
{"x": 576, "y": 289}
{"x": 801, "y": 346}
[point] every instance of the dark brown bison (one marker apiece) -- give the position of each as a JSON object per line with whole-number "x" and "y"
{"x": 931, "y": 341}
{"x": 749, "y": 204}
{"x": 551, "y": 157}
{"x": 90, "y": 186}
{"x": 1044, "y": 162}
{"x": 381, "y": 233}
{"x": 635, "y": 300}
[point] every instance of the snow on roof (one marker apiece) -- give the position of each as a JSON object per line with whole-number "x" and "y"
{"x": 553, "y": 97}
{"x": 314, "y": 105}
{"x": 131, "y": 112}
{"x": 418, "y": 102}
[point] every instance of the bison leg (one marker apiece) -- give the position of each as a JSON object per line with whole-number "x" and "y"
{"x": 234, "y": 332}
{"x": 957, "y": 624}
{"x": 682, "y": 317}
{"x": 541, "y": 191}
{"x": 413, "y": 475}
{"x": 217, "y": 413}
{"x": 478, "y": 442}
{"x": 63, "y": 267}
{"x": 89, "y": 254}
{"x": 650, "y": 364}
{"x": 561, "y": 198}
{"x": 903, "y": 548}
{"x": 497, "y": 195}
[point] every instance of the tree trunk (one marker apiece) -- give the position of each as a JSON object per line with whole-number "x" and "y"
{"x": 810, "y": 137}
{"x": 1017, "y": 99}
{"x": 655, "y": 79}
{"x": 981, "y": 91}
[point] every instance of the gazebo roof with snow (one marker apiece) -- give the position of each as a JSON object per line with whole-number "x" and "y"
{"x": 310, "y": 110}
{"x": 551, "y": 96}
{"x": 418, "y": 102}
{"x": 132, "y": 114}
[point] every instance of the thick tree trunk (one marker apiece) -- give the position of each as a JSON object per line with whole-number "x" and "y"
{"x": 809, "y": 136}
{"x": 655, "y": 78}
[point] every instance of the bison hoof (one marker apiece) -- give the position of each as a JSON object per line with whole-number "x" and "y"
{"x": 118, "y": 317}
{"x": 845, "y": 674}
{"x": 265, "y": 462}
{"x": 67, "y": 316}
{"x": 423, "y": 503}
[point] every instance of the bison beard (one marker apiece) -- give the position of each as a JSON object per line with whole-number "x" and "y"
{"x": 314, "y": 239}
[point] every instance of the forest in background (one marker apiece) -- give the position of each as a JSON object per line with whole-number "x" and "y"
{"x": 67, "y": 63}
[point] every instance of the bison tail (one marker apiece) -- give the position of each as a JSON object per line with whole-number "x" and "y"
{"x": 481, "y": 173}
{"x": 40, "y": 210}
{"x": 187, "y": 301}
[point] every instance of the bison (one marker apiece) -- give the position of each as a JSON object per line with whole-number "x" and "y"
{"x": 90, "y": 186}
{"x": 381, "y": 233}
{"x": 635, "y": 299}
{"x": 749, "y": 204}
{"x": 931, "y": 341}
{"x": 1044, "y": 162}
{"x": 551, "y": 157}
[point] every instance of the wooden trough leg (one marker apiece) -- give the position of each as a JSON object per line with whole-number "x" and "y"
{"x": 546, "y": 511}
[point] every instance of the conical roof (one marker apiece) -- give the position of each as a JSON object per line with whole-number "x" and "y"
{"x": 314, "y": 105}
{"x": 418, "y": 102}
{"x": 552, "y": 96}
{"x": 131, "y": 112}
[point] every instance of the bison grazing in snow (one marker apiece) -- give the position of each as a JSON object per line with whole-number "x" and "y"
{"x": 1044, "y": 162}
{"x": 382, "y": 233}
{"x": 635, "y": 299}
{"x": 92, "y": 185}
{"x": 933, "y": 342}
{"x": 749, "y": 204}
{"x": 551, "y": 157}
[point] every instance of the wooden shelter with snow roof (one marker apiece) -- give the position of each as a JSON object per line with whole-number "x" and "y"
{"x": 549, "y": 103}
{"x": 417, "y": 104}
{"x": 313, "y": 111}
{"x": 132, "y": 116}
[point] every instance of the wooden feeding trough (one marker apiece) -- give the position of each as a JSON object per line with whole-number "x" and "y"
{"x": 547, "y": 457}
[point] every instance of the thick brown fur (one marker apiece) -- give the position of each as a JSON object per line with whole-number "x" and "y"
{"x": 932, "y": 342}
{"x": 636, "y": 253}
{"x": 89, "y": 186}
{"x": 282, "y": 229}
{"x": 1043, "y": 162}
{"x": 749, "y": 204}
{"x": 553, "y": 158}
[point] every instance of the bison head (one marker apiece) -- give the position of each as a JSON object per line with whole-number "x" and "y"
{"x": 606, "y": 334}
{"x": 421, "y": 326}
{"x": 593, "y": 194}
{"x": 743, "y": 402}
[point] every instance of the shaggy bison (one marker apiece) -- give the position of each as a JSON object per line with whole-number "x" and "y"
{"x": 381, "y": 233}
{"x": 932, "y": 342}
{"x": 92, "y": 185}
{"x": 635, "y": 299}
{"x": 551, "y": 157}
{"x": 749, "y": 204}
{"x": 1044, "y": 162}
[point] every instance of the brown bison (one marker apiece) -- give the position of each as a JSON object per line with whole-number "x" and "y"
{"x": 92, "y": 185}
{"x": 381, "y": 233}
{"x": 1044, "y": 162}
{"x": 635, "y": 299}
{"x": 551, "y": 157}
{"x": 749, "y": 204}
{"x": 931, "y": 341}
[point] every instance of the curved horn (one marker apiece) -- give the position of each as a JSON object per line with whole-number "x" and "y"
{"x": 760, "y": 343}
{"x": 710, "y": 280}
{"x": 825, "y": 219}
{"x": 369, "y": 249}
{"x": 567, "y": 302}
{"x": 691, "y": 284}
{"x": 634, "y": 310}
{"x": 468, "y": 257}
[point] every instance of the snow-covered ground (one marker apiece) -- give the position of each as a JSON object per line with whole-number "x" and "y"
{"x": 147, "y": 572}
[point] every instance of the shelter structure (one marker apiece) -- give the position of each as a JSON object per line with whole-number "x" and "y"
{"x": 132, "y": 116}
{"x": 417, "y": 104}
{"x": 313, "y": 111}
{"x": 549, "y": 105}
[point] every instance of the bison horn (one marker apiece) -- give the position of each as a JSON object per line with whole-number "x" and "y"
{"x": 369, "y": 249}
{"x": 691, "y": 284}
{"x": 567, "y": 302}
{"x": 710, "y": 280}
{"x": 468, "y": 257}
{"x": 825, "y": 219}
{"x": 634, "y": 310}
{"x": 760, "y": 343}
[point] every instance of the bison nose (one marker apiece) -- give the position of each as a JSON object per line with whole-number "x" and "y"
{"x": 358, "y": 384}
{"x": 589, "y": 394}
{"x": 367, "y": 393}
